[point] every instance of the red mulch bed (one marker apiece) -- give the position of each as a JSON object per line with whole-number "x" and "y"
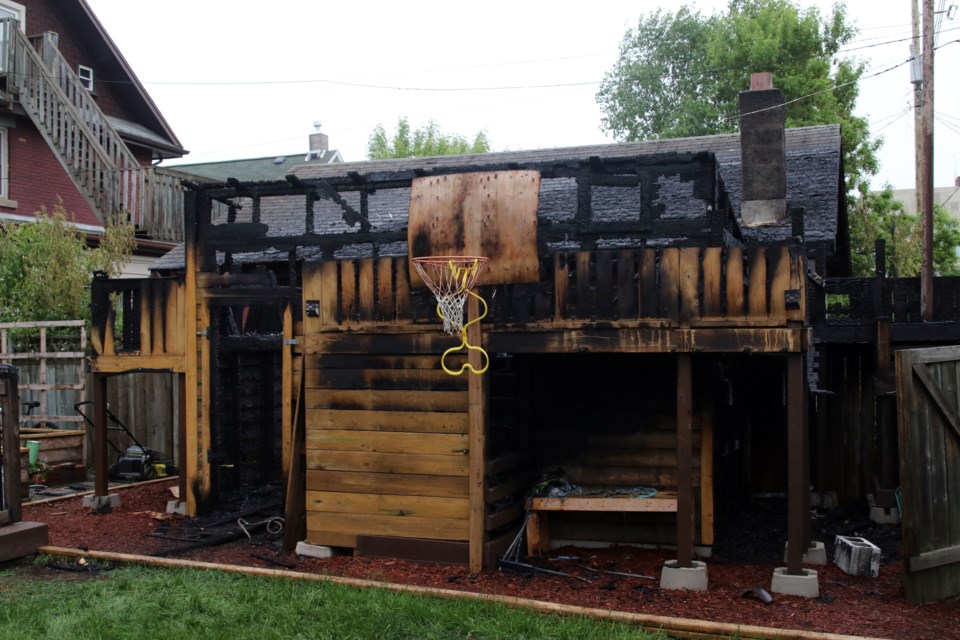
{"x": 847, "y": 604}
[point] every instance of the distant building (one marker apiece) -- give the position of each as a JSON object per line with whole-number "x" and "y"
{"x": 949, "y": 197}
{"x": 264, "y": 169}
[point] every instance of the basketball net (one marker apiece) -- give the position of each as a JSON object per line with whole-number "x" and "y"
{"x": 451, "y": 279}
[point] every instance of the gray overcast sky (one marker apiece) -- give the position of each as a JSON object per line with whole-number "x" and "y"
{"x": 241, "y": 79}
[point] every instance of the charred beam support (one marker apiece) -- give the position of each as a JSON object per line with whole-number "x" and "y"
{"x": 100, "y": 465}
{"x": 685, "y": 515}
{"x": 10, "y": 414}
{"x": 798, "y": 467}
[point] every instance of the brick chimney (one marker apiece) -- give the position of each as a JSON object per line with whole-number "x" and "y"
{"x": 763, "y": 162}
{"x": 319, "y": 142}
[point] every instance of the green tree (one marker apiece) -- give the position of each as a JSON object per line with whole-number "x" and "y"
{"x": 878, "y": 216}
{"x": 46, "y": 266}
{"x": 419, "y": 143}
{"x": 680, "y": 74}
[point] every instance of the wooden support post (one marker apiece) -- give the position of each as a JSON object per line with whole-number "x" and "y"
{"x": 286, "y": 388}
{"x": 100, "y": 466}
{"x": 706, "y": 477}
{"x": 798, "y": 475}
{"x": 685, "y": 516}
{"x": 10, "y": 405}
{"x": 477, "y": 439}
{"x": 181, "y": 427}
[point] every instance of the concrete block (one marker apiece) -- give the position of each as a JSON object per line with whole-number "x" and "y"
{"x": 111, "y": 501}
{"x": 690, "y": 578}
{"x": 313, "y": 550}
{"x": 816, "y": 554}
{"x": 885, "y": 516}
{"x": 806, "y": 585}
{"x": 178, "y": 507}
{"x": 857, "y": 556}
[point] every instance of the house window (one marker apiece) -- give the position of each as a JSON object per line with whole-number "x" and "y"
{"x": 86, "y": 77}
{"x": 4, "y": 171}
{"x": 9, "y": 11}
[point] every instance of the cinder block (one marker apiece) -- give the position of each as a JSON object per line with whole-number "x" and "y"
{"x": 885, "y": 516}
{"x": 313, "y": 550}
{"x": 690, "y": 578}
{"x": 856, "y": 556}
{"x": 806, "y": 584}
{"x": 176, "y": 506}
{"x": 110, "y": 501}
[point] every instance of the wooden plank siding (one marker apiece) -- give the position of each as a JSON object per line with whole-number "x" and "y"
{"x": 387, "y": 448}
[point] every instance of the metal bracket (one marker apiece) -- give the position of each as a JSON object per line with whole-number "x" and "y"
{"x": 204, "y": 333}
{"x": 290, "y": 341}
{"x": 312, "y": 308}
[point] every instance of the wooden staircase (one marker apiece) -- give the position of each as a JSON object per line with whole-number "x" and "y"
{"x": 104, "y": 169}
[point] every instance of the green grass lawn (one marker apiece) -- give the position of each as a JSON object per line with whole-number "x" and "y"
{"x": 142, "y": 603}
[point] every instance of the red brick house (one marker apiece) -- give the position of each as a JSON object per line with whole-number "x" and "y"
{"x": 77, "y": 125}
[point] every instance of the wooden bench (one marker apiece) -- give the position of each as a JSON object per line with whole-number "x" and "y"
{"x": 538, "y": 527}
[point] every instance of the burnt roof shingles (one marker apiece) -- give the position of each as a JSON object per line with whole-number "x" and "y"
{"x": 813, "y": 182}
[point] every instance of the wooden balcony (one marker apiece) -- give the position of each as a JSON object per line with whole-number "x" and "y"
{"x": 91, "y": 151}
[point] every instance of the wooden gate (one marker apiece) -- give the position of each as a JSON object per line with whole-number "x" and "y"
{"x": 928, "y": 388}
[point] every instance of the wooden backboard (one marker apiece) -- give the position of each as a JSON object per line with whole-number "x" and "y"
{"x": 492, "y": 214}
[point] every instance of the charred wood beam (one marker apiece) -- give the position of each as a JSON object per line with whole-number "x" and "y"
{"x": 350, "y": 215}
{"x": 249, "y": 295}
{"x": 252, "y": 342}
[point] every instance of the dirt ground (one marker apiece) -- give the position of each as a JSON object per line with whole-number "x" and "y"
{"x": 847, "y": 604}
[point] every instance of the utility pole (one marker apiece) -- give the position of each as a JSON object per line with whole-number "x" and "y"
{"x": 926, "y": 267}
{"x": 916, "y": 78}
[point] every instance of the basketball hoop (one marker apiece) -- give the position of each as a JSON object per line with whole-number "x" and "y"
{"x": 451, "y": 279}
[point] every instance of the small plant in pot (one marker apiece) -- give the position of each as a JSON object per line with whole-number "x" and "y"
{"x": 38, "y": 472}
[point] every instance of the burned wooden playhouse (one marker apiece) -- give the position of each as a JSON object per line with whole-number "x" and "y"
{"x": 650, "y": 324}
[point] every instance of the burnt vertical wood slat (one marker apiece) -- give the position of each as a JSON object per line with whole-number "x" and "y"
{"x": 365, "y": 287}
{"x": 670, "y": 284}
{"x": 401, "y": 291}
{"x": 584, "y": 277}
{"x": 348, "y": 292}
{"x": 605, "y": 284}
{"x": 689, "y": 275}
{"x": 157, "y": 290}
{"x": 561, "y": 281}
{"x": 735, "y": 283}
{"x": 145, "y": 315}
{"x": 757, "y": 282}
{"x": 649, "y": 306}
{"x": 626, "y": 284}
{"x": 386, "y": 309}
{"x": 779, "y": 282}
{"x": 712, "y": 282}
{"x": 685, "y": 514}
{"x": 329, "y": 287}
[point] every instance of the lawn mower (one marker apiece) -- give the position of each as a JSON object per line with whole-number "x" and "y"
{"x": 138, "y": 462}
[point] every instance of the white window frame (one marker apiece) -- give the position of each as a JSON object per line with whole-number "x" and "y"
{"x": 17, "y": 8}
{"x": 85, "y": 74}
{"x": 5, "y": 201}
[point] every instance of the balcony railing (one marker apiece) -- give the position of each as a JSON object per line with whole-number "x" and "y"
{"x": 104, "y": 169}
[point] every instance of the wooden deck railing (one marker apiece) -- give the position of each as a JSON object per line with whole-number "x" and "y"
{"x": 851, "y": 302}
{"x": 137, "y": 319}
{"x": 669, "y": 287}
{"x": 104, "y": 169}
